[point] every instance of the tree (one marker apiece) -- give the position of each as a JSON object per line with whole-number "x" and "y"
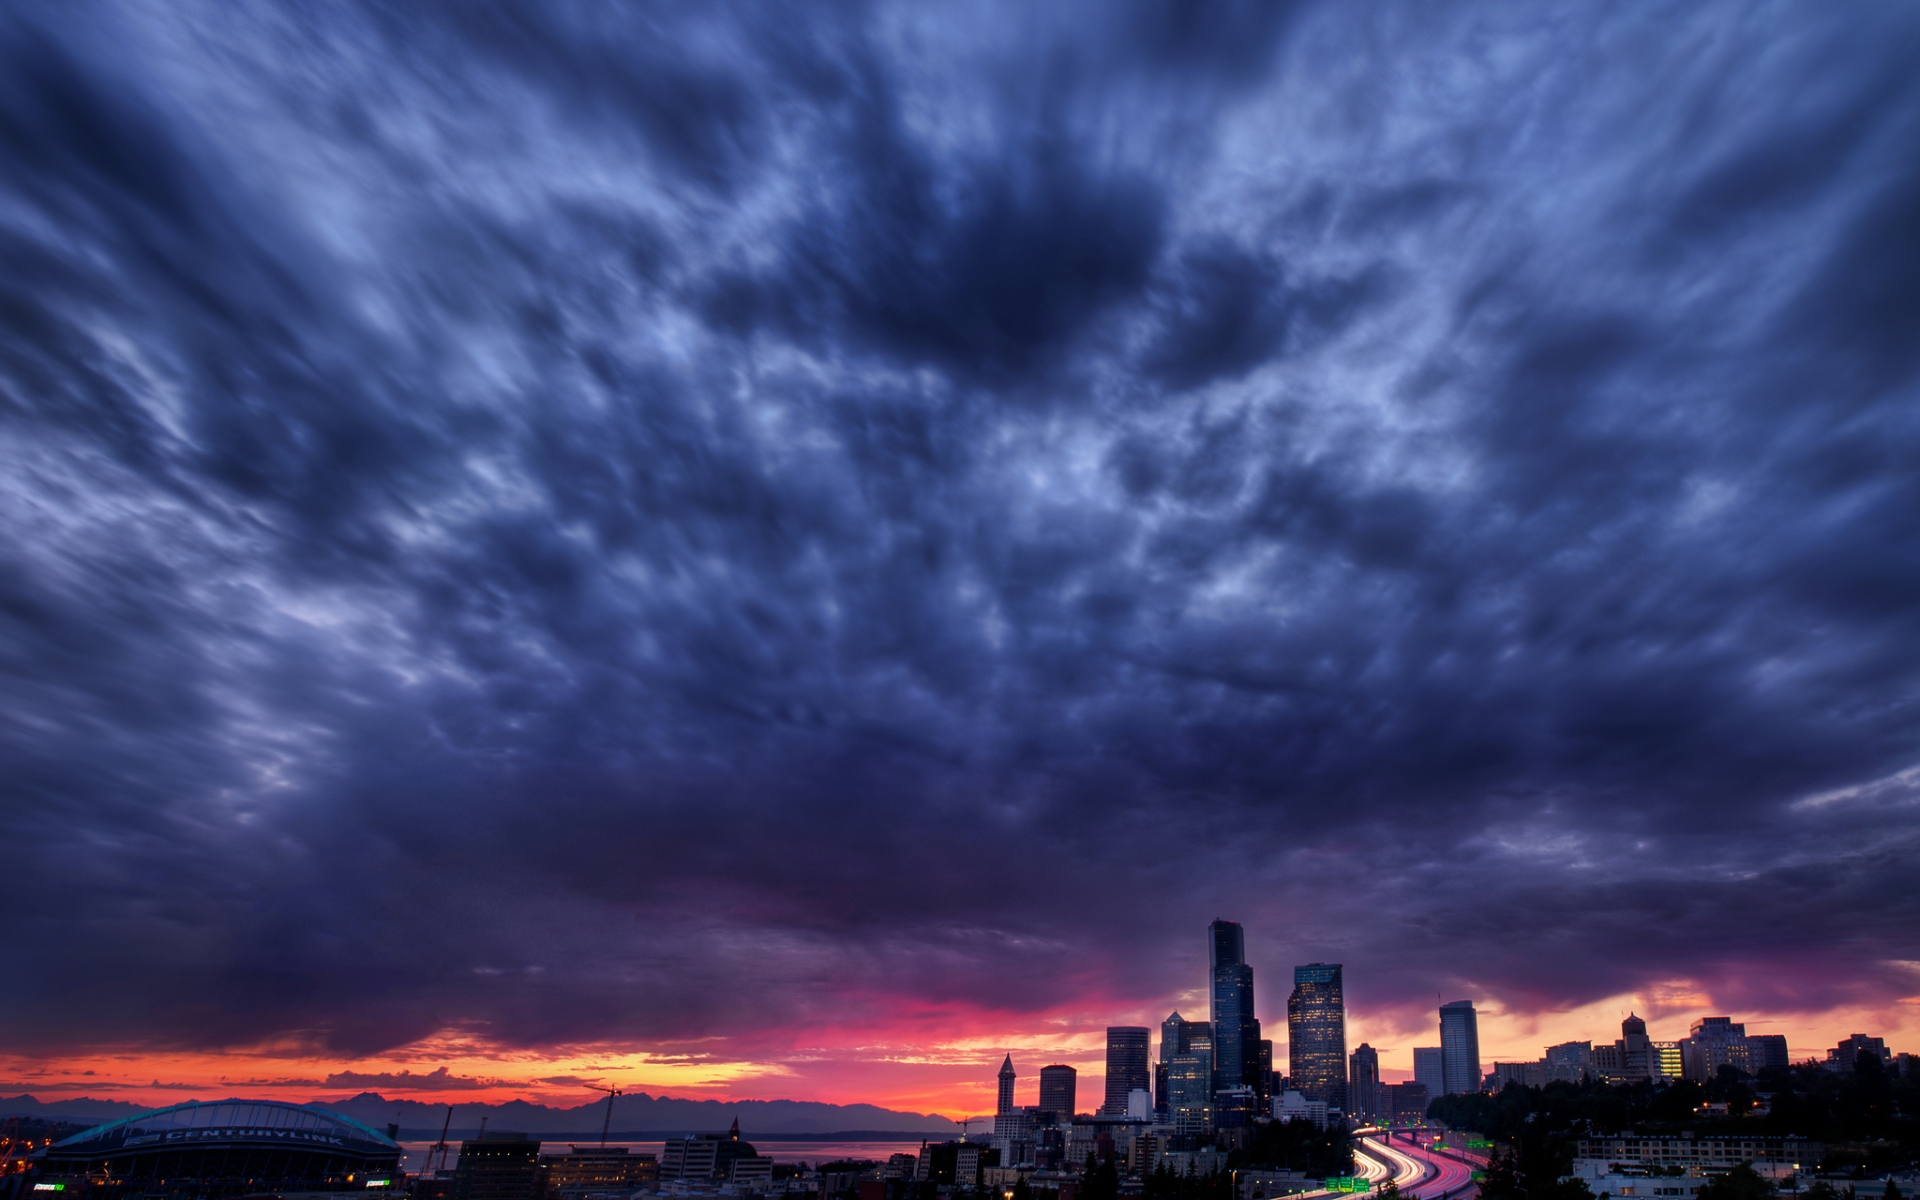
{"x": 1297, "y": 1146}
{"x": 1100, "y": 1181}
{"x": 1741, "y": 1183}
{"x": 1500, "y": 1181}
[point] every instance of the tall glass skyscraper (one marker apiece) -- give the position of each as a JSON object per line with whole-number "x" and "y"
{"x": 1363, "y": 1081}
{"x": 1236, "y": 1034}
{"x": 1190, "y": 1091}
{"x": 1317, "y": 1034}
{"x": 1459, "y": 1048}
{"x": 1173, "y": 1042}
{"x": 1429, "y": 1070}
{"x": 1128, "y": 1057}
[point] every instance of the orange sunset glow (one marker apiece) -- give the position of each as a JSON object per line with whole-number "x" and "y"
{"x": 952, "y": 1077}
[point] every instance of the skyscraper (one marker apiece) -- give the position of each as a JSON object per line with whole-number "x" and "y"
{"x": 1173, "y": 1035}
{"x": 1363, "y": 1081}
{"x": 1459, "y": 1048}
{"x": 1636, "y": 1048}
{"x": 1128, "y": 1054}
{"x": 1428, "y": 1070}
{"x": 1317, "y": 1034}
{"x": 1198, "y": 1036}
{"x": 1057, "y": 1087}
{"x": 1236, "y": 1034}
{"x": 1012, "y": 1128}
{"x": 1181, "y": 1038}
{"x": 1190, "y": 1091}
{"x": 1173, "y": 1040}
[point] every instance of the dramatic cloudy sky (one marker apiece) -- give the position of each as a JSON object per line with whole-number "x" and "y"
{"x": 786, "y": 550}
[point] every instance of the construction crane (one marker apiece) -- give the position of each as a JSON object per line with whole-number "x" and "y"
{"x": 608, "y": 1123}
{"x": 439, "y": 1147}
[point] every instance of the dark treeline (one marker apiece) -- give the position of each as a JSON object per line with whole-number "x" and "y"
{"x": 1868, "y": 1119}
{"x": 1288, "y": 1145}
{"x": 1297, "y": 1146}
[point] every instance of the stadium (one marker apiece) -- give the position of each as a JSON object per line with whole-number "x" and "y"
{"x": 226, "y": 1148}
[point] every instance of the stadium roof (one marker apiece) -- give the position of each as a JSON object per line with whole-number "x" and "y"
{"x": 259, "y": 1121}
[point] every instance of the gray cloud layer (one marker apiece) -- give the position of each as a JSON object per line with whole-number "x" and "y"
{"x": 738, "y": 519}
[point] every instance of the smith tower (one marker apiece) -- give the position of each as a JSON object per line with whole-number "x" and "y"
{"x": 1236, "y": 1034}
{"x": 1317, "y": 1034}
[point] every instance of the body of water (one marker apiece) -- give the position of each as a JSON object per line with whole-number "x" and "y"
{"x": 813, "y": 1153}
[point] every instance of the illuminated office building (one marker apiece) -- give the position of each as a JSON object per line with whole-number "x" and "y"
{"x": 1317, "y": 1035}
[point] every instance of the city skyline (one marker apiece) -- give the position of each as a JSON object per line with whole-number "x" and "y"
{"x": 1004, "y": 1097}
{"x": 780, "y": 551}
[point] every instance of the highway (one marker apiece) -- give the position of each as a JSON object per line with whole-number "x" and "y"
{"x": 1416, "y": 1170}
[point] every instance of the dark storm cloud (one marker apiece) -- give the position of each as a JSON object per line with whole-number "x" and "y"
{"x": 708, "y": 527}
{"x": 1227, "y": 312}
{"x": 983, "y": 267}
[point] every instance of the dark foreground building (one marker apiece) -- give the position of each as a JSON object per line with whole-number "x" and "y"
{"x": 1236, "y": 1032}
{"x": 715, "y": 1157}
{"x": 1129, "y": 1065}
{"x": 227, "y": 1148}
{"x": 497, "y": 1166}
{"x": 1057, "y": 1087}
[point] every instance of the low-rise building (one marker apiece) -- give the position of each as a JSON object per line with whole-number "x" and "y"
{"x": 1775, "y": 1158}
{"x": 901, "y": 1166}
{"x": 1405, "y": 1101}
{"x": 689, "y": 1157}
{"x": 847, "y": 1176}
{"x": 1843, "y": 1056}
{"x": 1715, "y": 1042}
{"x": 1260, "y": 1183}
{"x": 1293, "y": 1106}
{"x": 1526, "y": 1074}
{"x": 1102, "y": 1136}
{"x": 1192, "y": 1162}
{"x": 706, "y": 1156}
{"x": 1569, "y": 1062}
{"x": 596, "y": 1170}
{"x": 1641, "y": 1184}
